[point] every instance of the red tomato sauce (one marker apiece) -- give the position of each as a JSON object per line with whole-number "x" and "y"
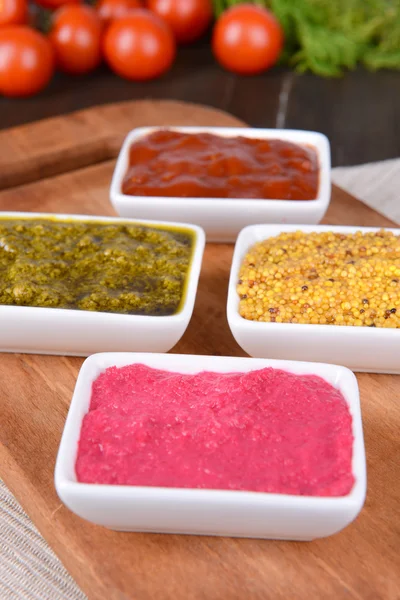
{"x": 265, "y": 431}
{"x": 172, "y": 164}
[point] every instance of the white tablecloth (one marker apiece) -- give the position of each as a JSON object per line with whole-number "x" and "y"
{"x": 29, "y": 570}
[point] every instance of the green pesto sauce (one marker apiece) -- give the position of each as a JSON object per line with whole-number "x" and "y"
{"x": 105, "y": 267}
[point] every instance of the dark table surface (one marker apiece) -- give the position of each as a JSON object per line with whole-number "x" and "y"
{"x": 360, "y": 113}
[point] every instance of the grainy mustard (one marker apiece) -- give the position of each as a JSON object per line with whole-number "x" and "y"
{"x": 323, "y": 278}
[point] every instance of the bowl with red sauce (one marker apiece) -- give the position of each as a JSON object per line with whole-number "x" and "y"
{"x": 223, "y": 178}
{"x": 213, "y": 445}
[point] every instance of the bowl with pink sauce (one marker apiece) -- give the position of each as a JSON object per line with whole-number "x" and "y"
{"x": 210, "y": 445}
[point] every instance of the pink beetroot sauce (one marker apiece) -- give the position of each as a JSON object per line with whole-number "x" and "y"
{"x": 265, "y": 431}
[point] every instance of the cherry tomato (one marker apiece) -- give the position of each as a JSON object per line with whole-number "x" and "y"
{"x": 139, "y": 46}
{"x": 53, "y": 4}
{"x": 109, "y": 10}
{"x": 13, "y": 12}
{"x": 26, "y": 61}
{"x": 247, "y": 39}
{"x": 188, "y": 19}
{"x": 76, "y": 38}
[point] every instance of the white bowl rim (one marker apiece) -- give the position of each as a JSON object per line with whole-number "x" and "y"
{"x": 269, "y": 230}
{"x": 297, "y": 136}
{"x": 64, "y": 483}
{"x": 192, "y": 276}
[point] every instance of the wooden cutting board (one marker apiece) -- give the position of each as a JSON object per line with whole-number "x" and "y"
{"x": 362, "y": 563}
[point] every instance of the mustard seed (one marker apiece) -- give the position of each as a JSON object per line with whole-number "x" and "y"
{"x": 359, "y": 292}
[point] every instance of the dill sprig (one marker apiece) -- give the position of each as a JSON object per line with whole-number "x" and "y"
{"x": 327, "y": 37}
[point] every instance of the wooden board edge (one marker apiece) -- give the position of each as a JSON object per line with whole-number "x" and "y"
{"x": 79, "y": 139}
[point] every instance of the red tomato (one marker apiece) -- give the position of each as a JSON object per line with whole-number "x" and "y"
{"x": 139, "y": 46}
{"x": 247, "y": 39}
{"x": 76, "y": 38}
{"x": 188, "y": 19}
{"x": 53, "y": 4}
{"x": 26, "y": 61}
{"x": 13, "y": 12}
{"x": 109, "y": 10}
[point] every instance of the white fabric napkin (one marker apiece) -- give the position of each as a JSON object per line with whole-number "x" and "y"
{"x": 376, "y": 184}
{"x": 29, "y": 569}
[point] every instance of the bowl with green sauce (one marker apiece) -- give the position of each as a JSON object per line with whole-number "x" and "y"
{"x": 75, "y": 285}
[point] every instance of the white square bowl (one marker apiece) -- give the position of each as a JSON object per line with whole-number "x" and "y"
{"x": 200, "y": 511}
{"x": 82, "y": 332}
{"x": 223, "y": 218}
{"x": 370, "y": 349}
